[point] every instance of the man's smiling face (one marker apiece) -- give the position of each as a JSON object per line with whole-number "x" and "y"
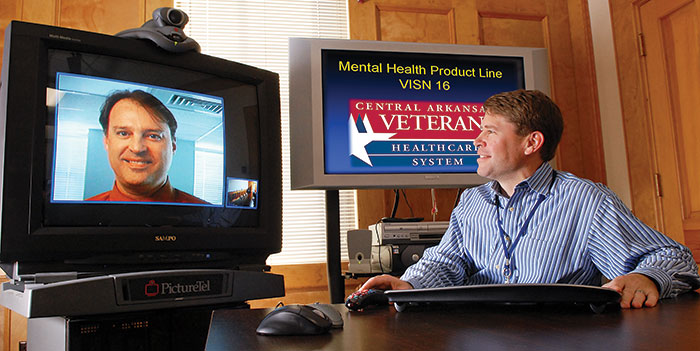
{"x": 140, "y": 148}
{"x": 500, "y": 148}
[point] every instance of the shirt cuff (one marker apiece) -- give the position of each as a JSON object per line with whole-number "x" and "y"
{"x": 414, "y": 282}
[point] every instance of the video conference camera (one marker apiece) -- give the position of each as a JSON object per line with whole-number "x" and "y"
{"x": 165, "y": 30}
{"x": 168, "y": 16}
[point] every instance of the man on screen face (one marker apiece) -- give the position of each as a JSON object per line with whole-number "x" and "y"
{"x": 140, "y": 147}
{"x": 139, "y": 136}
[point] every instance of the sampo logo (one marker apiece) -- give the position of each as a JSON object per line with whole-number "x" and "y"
{"x": 152, "y": 288}
{"x": 165, "y": 238}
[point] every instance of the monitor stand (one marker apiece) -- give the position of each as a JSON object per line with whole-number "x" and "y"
{"x": 336, "y": 280}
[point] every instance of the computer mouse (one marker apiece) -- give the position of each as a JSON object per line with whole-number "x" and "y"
{"x": 294, "y": 320}
{"x": 361, "y": 299}
{"x": 330, "y": 312}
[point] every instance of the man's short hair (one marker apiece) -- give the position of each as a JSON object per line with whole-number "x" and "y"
{"x": 154, "y": 106}
{"x": 530, "y": 111}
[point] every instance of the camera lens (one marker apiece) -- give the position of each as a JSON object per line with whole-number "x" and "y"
{"x": 175, "y": 17}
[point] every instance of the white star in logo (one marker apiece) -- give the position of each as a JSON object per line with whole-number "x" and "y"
{"x": 358, "y": 140}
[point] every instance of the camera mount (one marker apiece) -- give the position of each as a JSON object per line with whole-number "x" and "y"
{"x": 165, "y": 30}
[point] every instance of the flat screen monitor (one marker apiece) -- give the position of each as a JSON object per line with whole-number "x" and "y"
{"x": 372, "y": 114}
{"x": 120, "y": 156}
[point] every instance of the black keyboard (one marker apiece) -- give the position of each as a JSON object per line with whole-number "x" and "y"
{"x": 597, "y": 297}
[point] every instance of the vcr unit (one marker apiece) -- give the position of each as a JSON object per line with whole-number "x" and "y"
{"x": 408, "y": 232}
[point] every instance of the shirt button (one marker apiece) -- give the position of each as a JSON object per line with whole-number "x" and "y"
{"x": 511, "y": 209}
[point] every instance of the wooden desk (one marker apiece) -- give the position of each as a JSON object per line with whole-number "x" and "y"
{"x": 673, "y": 325}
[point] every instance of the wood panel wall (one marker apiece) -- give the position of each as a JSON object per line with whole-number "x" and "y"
{"x": 102, "y": 16}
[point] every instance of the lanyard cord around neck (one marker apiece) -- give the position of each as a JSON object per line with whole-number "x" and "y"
{"x": 505, "y": 239}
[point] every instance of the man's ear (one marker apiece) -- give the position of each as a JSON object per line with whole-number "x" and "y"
{"x": 534, "y": 142}
{"x": 174, "y": 145}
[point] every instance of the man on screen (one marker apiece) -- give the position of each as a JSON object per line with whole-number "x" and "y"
{"x": 534, "y": 224}
{"x": 139, "y": 136}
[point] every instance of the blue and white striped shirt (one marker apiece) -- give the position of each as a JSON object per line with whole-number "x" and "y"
{"x": 580, "y": 231}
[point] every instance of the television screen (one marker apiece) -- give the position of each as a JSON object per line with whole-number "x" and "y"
{"x": 113, "y": 145}
{"x": 119, "y": 155}
{"x": 377, "y": 114}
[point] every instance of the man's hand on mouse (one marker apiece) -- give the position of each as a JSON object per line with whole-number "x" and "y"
{"x": 637, "y": 290}
{"x": 386, "y": 282}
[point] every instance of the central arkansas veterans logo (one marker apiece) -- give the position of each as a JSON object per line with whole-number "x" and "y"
{"x": 413, "y": 133}
{"x": 361, "y": 134}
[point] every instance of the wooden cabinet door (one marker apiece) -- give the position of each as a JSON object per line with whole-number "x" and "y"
{"x": 561, "y": 26}
{"x": 670, "y": 34}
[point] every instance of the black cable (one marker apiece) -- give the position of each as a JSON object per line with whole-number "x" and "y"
{"x": 396, "y": 206}
{"x": 396, "y": 203}
{"x": 407, "y": 203}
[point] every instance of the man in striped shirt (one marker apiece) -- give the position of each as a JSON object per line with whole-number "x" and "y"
{"x": 532, "y": 224}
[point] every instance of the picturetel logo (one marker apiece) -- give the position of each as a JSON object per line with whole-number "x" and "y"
{"x": 152, "y": 288}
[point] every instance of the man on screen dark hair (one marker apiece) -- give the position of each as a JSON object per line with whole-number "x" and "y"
{"x": 139, "y": 136}
{"x": 533, "y": 224}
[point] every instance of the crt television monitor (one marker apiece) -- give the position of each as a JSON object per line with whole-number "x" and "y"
{"x": 221, "y": 204}
{"x": 372, "y": 114}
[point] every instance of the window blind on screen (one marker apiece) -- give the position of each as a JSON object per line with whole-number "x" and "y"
{"x": 256, "y": 33}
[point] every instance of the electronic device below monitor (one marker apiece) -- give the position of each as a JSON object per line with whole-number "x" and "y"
{"x": 391, "y": 247}
{"x": 598, "y": 298}
{"x": 384, "y": 259}
{"x": 181, "y": 329}
{"x": 408, "y": 232}
{"x": 139, "y": 291}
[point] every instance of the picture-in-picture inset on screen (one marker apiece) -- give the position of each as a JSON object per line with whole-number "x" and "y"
{"x": 242, "y": 193}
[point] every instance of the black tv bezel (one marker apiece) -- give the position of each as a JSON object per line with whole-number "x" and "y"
{"x": 118, "y": 248}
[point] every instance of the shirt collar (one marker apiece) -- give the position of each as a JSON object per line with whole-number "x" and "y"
{"x": 539, "y": 182}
